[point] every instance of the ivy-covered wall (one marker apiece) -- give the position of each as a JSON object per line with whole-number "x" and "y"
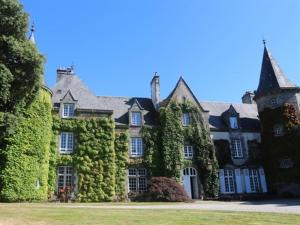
{"x": 25, "y": 159}
{"x": 277, "y": 148}
{"x": 94, "y": 157}
{"x": 121, "y": 149}
{"x": 164, "y": 146}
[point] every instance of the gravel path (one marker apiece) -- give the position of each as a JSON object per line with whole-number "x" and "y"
{"x": 274, "y": 206}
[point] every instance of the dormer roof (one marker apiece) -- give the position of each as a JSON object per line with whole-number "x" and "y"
{"x": 135, "y": 103}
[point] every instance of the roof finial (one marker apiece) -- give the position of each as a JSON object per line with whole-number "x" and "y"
{"x": 264, "y": 42}
{"x": 31, "y": 37}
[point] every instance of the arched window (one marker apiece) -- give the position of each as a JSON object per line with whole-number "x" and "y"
{"x": 189, "y": 171}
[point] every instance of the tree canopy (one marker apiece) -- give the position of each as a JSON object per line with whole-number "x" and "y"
{"x": 21, "y": 65}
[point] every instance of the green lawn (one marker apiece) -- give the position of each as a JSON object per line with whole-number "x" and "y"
{"x": 57, "y": 214}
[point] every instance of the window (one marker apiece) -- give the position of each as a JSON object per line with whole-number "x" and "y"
{"x": 64, "y": 177}
{"x": 186, "y": 119}
{"x": 137, "y": 180}
{"x": 66, "y": 142}
{"x": 229, "y": 181}
{"x": 188, "y": 151}
{"x": 68, "y": 110}
{"x": 233, "y": 122}
{"x": 278, "y": 130}
{"x": 254, "y": 182}
{"x": 237, "y": 148}
{"x": 136, "y": 118}
{"x": 274, "y": 102}
{"x": 136, "y": 146}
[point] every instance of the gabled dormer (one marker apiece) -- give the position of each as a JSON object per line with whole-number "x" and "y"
{"x": 67, "y": 105}
{"x": 231, "y": 118}
{"x": 136, "y": 114}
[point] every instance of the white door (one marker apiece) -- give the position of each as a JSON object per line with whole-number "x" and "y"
{"x": 190, "y": 185}
{"x": 187, "y": 185}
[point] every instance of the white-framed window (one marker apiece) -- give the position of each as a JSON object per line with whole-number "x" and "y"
{"x": 66, "y": 142}
{"x": 136, "y": 118}
{"x": 64, "y": 177}
{"x": 229, "y": 181}
{"x": 237, "y": 150}
{"x": 137, "y": 146}
{"x": 186, "y": 120}
{"x": 137, "y": 179}
{"x": 254, "y": 180}
{"x": 68, "y": 110}
{"x": 233, "y": 122}
{"x": 188, "y": 151}
{"x": 278, "y": 130}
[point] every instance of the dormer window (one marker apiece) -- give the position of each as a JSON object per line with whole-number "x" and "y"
{"x": 136, "y": 118}
{"x": 233, "y": 122}
{"x": 186, "y": 120}
{"x": 68, "y": 110}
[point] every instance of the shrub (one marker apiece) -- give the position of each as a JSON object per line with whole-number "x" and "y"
{"x": 166, "y": 189}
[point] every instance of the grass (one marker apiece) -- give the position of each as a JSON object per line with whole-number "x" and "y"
{"x": 57, "y": 214}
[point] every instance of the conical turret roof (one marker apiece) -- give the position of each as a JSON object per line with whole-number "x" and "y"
{"x": 272, "y": 78}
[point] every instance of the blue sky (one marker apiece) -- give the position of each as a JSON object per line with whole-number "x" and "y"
{"x": 216, "y": 45}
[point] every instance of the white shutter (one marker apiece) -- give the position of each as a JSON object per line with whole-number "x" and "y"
{"x": 247, "y": 180}
{"x": 262, "y": 180}
{"x": 221, "y": 180}
{"x": 238, "y": 181}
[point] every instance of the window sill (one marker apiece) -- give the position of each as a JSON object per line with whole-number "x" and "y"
{"x": 136, "y": 156}
{"x": 132, "y": 125}
{"x": 66, "y": 153}
{"x": 238, "y": 157}
{"x": 188, "y": 158}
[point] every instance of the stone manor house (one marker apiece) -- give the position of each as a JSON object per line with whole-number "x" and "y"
{"x": 234, "y": 128}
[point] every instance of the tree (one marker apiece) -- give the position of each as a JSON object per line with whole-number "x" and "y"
{"x": 25, "y": 110}
{"x": 21, "y": 65}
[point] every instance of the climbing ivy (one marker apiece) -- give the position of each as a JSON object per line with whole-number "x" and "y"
{"x": 93, "y": 158}
{"x": 164, "y": 146}
{"x": 172, "y": 134}
{"x": 277, "y": 148}
{"x": 197, "y": 134}
{"x": 25, "y": 158}
{"x": 152, "y": 160}
{"x": 121, "y": 149}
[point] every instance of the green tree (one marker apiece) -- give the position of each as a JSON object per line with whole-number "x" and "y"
{"x": 25, "y": 110}
{"x": 21, "y": 65}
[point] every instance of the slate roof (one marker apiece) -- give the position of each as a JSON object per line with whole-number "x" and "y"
{"x": 120, "y": 105}
{"x": 247, "y": 112}
{"x": 272, "y": 77}
{"x": 87, "y": 100}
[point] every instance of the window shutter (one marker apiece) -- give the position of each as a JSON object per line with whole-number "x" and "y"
{"x": 262, "y": 180}
{"x": 238, "y": 181}
{"x": 247, "y": 180}
{"x": 221, "y": 179}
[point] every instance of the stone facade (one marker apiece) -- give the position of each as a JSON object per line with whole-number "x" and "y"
{"x": 235, "y": 128}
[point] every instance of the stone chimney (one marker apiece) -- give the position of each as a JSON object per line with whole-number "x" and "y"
{"x": 248, "y": 98}
{"x": 155, "y": 90}
{"x": 61, "y": 71}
